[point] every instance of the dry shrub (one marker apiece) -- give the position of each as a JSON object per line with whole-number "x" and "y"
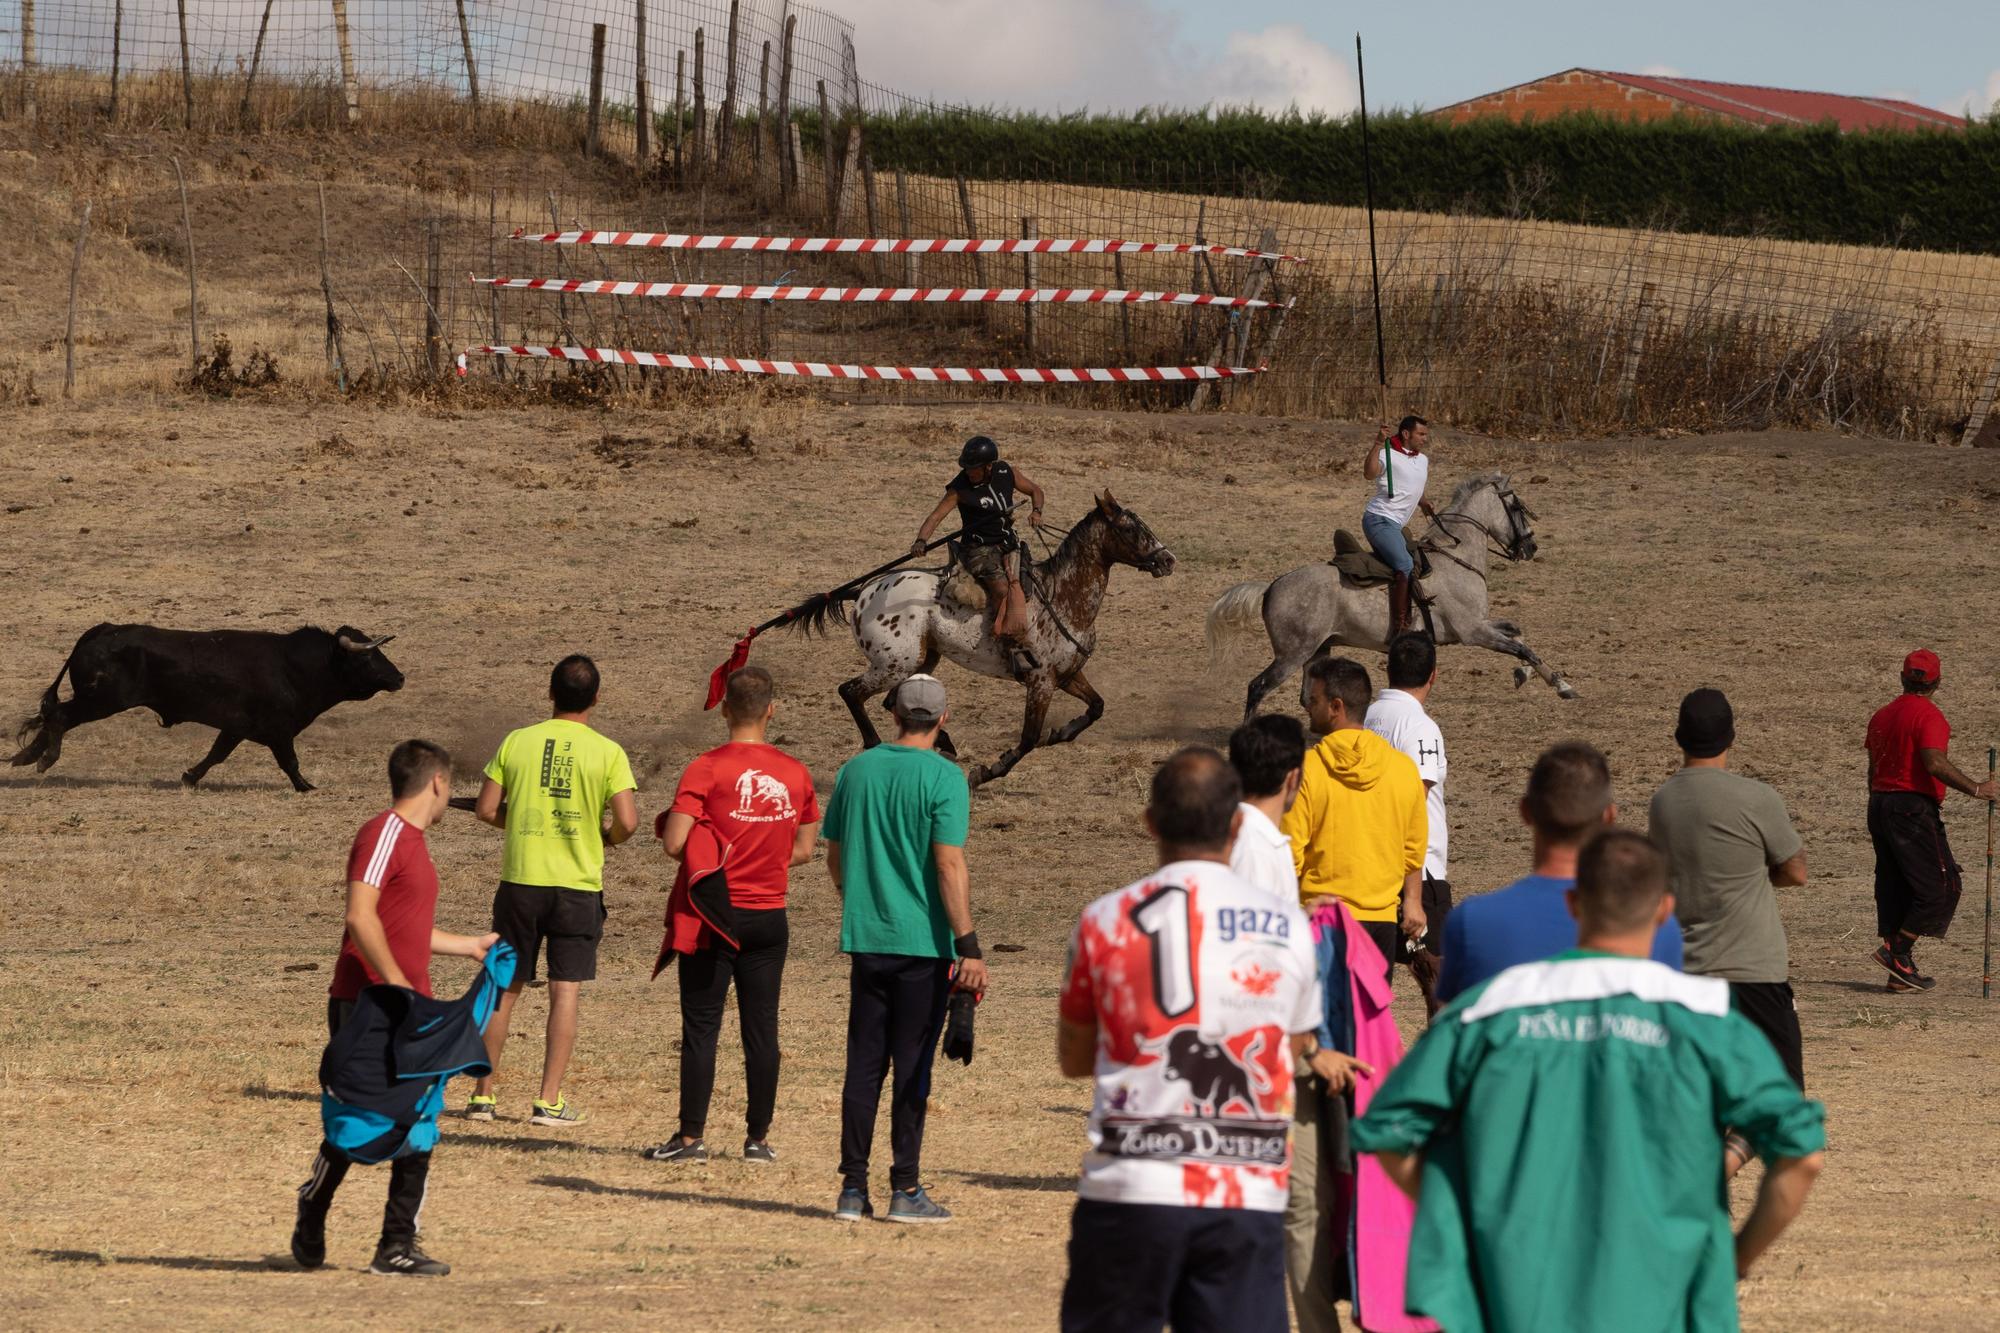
{"x": 216, "y": 375}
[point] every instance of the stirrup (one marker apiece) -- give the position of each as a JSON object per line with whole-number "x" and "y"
{"x": 1022, "y": 658}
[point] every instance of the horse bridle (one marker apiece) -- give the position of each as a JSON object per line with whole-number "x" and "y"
{"x": 1509, "y": 548}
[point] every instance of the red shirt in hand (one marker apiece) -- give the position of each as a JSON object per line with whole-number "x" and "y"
{"x": 392, "y": 857}
{"x": 1895, "y": 734}
{"x": 757, "y": 796}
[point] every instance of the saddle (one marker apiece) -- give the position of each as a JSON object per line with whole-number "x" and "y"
{"x": 959, "y": 591}
{"x": 1358, "y": 563}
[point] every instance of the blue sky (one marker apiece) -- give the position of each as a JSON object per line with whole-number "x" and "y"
{"x": 1117, "y": 54}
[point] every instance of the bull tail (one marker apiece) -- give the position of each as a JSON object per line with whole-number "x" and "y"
{"x": 42, "y": 718}
{"x": 1238, "y": 612}
{"x": 810, "y": 617}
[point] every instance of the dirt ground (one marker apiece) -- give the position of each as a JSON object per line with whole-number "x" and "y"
{"x": 164, "y": 953}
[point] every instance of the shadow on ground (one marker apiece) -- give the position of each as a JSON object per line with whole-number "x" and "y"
{"x": 578, "y": 1185}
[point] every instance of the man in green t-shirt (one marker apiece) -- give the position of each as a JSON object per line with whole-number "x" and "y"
{"x": 557, "y": 778}
{"x": 1557, "y": 1125}
{"x": 895, "y": 846}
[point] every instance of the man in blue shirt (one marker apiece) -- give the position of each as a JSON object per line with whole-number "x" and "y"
{"x": 1568, "y": 799}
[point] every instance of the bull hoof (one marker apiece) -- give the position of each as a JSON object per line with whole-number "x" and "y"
{"x": 190, "y": 778}
{"x": 1520, "y": 677}
{"x": 303, "y": 787}
{"x": 1567, "y": 691}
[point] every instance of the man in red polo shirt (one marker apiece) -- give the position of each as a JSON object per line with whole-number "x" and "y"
{"x": 392, "y": 891}
{"x": 760, "y": 802}
{"x": 1916, "y": 879}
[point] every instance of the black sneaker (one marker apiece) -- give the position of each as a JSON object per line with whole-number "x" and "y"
{"x": 309, "y": 1237}
{"x": 759, "y": 1150}
{"x": 1915, "y": 986}
{"x": 916, "y": 1206}
{"x": 403, "y": 1259}
{"x": 1902, "y": 967}
{"x": 677, "y": 1149}
{"x": 852, "y": 1206}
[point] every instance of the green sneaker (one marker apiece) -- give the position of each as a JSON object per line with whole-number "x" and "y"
{"x": 556, "y": 1113}
{"x": 482, "y": 1108}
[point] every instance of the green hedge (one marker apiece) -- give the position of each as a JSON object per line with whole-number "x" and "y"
{"x": 1926, "y": 189}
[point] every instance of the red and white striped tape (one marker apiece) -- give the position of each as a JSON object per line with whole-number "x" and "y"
{"x": 725, "y": 291}
{"x": 669, "y": 240}
{"x": 834, "y": 371}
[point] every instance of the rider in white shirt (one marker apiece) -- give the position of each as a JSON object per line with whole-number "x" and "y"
{"x": 1398, "y": 716}
{"x": 1268, "y": 754}
{"x": 1400, "y": 469}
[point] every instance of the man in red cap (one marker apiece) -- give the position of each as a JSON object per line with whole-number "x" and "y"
{"x": 1916, "y": 879}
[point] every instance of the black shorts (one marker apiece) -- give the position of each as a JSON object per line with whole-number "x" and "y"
{"x": 1437, "y": 906}
{"x": 571, "y": 920}
{"x": 1136, "y": 1266}
{"x": 1769, "y": 1004}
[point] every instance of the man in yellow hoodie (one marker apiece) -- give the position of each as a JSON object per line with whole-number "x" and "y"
{"x": 1358, "y": 827}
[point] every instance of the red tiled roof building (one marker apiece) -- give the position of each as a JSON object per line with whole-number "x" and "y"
{"x": 1657, "y": 96}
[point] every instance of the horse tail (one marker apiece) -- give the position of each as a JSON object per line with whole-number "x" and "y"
{"x": 810, "y": 617}
{"x": 1237, "y": 612}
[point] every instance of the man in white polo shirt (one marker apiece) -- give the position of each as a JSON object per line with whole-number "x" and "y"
{"x": 1398, "y": 717}
{"x": 1400, "y": 470}
{"x": 1268, "y": 754}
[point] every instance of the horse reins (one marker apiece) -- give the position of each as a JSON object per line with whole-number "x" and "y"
{"x": 1505, "y": 550}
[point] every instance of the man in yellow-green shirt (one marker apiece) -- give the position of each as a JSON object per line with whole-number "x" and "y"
{"x": 557, "y": 778}
{"x": 1358, "y": 827}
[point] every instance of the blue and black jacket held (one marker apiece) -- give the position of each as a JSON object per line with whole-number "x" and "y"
{"x": 382, "y": 1077}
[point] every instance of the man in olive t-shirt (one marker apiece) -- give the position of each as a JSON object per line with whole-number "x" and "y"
{"x": 895, "y": 846}
{"x": 1731, "y": 846}
{"x": 557, "y": 777}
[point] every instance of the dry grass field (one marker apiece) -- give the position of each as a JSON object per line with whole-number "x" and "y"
{"x": 164, "y": 953}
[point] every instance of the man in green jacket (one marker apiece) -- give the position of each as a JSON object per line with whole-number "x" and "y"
{"x": 1557, "y": 1129}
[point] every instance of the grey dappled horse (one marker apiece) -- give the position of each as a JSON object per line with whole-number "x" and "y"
{"x": 1312, "y": 609}
{"x": 906, "y": 620}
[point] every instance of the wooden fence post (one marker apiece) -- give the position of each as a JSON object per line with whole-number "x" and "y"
{"x": 596, "y": 113}
{"x": 641, "y": 95}
{"x": 850, "y": 171}
{"x": 348, "y": 83}
{"x": 763, "y": 101}
{"x": 725, "y": 136}
{"x": 194, "y": 294}
{"x": 1253, "y": 287}
{"x": 187, "y": 70}
{"x": 700, "y": 107}
{"x": 1635, "y": 345}
{"x": 1124, "y": 307}
{"x": 832, "y": 168}
{"x": 69, "y": 328}
{"x": 249, "y": 78}
{"x": 471, "y": 65}
{"x": 336, "y": 355}
{"x": 117, "y": 45}
{"x": 874, "y": 216}
{"x": 680, "y": 100}
{"x": 903, "y": 221}
{"x": 29, "y": 104}
{"x": 788, "y": 166}
{"x": 433, "y": 285}
{"x": 1982, "y": 428}
{"x": 492, "y": 266}
{"x": 978, "y": 259}
{"x": 1029, "y": 266}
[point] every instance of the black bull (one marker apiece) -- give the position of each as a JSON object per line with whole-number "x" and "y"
{"x": 250, "y": 685}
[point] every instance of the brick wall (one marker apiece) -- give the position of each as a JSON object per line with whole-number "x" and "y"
{"x": 1575, "y": 90}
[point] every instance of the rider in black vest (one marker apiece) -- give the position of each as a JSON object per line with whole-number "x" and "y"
{"x": 983, "y": 495}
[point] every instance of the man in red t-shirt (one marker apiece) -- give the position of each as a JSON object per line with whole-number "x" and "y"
{"x": 761, "y": 804}
{"x": 1916, "y": 879}
{"x": 392, "y": 890}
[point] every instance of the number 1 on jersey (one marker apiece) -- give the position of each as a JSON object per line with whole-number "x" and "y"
{"x": 1164, "y": 920}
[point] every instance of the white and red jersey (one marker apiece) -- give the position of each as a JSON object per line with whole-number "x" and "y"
{"x": 1195, "y": 982}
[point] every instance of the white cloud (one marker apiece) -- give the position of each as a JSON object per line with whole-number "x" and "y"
{"x": 1659, "y": 71}
{"x": 1101, "y": 54}
{"x": 1982, "y": 101}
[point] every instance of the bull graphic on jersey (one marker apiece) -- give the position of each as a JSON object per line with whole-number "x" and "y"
{"x": 761, "y": 798}
{"x": 1214, "y": 1077}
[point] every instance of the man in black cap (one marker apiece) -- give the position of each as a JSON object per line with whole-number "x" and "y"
{"x": 1916, "y": 880}
{"x": 1731, "y": 845}
{"x": 983, "y": 494}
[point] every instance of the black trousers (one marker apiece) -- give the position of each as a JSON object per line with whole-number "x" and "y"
{"x": 757, "y": 967}
{"x": 1771, "y": 1006}
{"x": 1142, "y": 1266}
{"x": 409, "y": 1177}
{"x": 895, "y": 1010}
{"x": 1916, "y": 881}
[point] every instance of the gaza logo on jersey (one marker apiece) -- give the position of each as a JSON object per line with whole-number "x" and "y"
{"x": 762, "y": 799}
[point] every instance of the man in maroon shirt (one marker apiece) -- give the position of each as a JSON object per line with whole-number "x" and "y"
{"x": 392, "y": 890}
{"x": 1916, "y": 879}
{"x": 760, "y": 802}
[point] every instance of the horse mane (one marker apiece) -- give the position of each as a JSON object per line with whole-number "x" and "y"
{"x": 1065, "y": 554}
{"x": 1472, "y": 485}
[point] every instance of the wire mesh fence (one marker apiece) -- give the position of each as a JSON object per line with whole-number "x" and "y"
{"x": 749, "y": 117}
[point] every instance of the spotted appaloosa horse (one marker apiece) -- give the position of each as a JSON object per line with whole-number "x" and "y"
{"x": 906, "y": 621}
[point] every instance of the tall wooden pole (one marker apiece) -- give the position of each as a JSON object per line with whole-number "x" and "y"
{"x": 788, "y": 167}
{"x": 433, "y": 287}
{"x": 471, "y": 65}
{"x": 590, "y": 140}
{"x": 194, "y": 292}
{"x": 28, "y": 60}
{"x": 1986, "y": 965}
{"x": 69, "y": 370}
{"x": 256, "y": 59}
{"x": 1374, "y": 267}
{"x": 700, "y": 106}
{"x": 350, "y": 86}
{"x": 763, "y": 100}
{"x": 117, "y": 44}
{"x": 725, "y": 136}
{"x": 642, "y": 95}
{"x": 187, "y": 70}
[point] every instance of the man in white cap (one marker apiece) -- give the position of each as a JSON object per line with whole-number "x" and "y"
{"x": 895, "y": 831}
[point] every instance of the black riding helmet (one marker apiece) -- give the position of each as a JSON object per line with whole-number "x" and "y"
{"x": 979, "y": 449}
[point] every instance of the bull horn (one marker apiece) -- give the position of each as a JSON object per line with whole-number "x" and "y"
{"x": 364, "y": 645}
